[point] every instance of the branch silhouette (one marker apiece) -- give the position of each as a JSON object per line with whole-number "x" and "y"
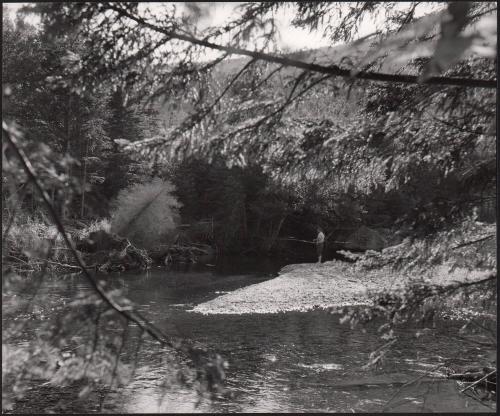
{"x": 334, "y": 70}
{"x": 192, "y": 349}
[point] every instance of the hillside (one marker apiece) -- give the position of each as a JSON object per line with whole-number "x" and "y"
{"x": 346, "y": 56}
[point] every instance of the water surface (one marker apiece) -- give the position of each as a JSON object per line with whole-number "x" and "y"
{"x": 286, "y": 362}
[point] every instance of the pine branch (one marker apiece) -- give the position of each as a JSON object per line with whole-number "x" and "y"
{"x": 333, "y": 70}
{"x": 194, "y": 119}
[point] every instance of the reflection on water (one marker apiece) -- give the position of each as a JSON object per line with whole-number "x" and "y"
{"x": 287, "y": 362}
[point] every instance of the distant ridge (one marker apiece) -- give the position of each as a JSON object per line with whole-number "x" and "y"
{"x": 345, "y": 55}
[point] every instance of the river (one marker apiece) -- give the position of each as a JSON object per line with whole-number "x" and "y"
{"x": 286, "y": 362}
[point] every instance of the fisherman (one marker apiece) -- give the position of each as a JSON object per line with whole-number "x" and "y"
{"x": 320, "y": 243}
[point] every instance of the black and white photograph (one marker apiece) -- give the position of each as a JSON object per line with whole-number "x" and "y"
{"x": 261, "y": 207}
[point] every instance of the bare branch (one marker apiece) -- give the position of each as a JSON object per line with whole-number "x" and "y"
{"x": 468, "y": 243}
{"x": 386, "y": 406}
{"x": 478, "y": 381}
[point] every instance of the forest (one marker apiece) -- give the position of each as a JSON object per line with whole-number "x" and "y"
{"x": 144, "y": 136}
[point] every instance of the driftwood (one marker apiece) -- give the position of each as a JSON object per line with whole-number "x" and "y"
{"x": 101, "y": 241}
{"x": 20, "y": 262}
{"x": 130, "y": 258}
{"x": 159, "y": 252}
{"x": 109, "y": 252}
{"x": 186, "y": 254}
{"x": 485, "y": 377}
{"x": 489, "y": 381}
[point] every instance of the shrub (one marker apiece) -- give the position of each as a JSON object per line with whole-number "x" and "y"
{"x": 146, "y": 213}
{"x": 27, "y": 241}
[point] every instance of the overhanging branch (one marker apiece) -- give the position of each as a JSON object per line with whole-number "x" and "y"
{"x": 333, "y": 70}
{"x": 191, "y": 349}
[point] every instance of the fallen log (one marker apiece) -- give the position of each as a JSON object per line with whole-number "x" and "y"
{"x": 187, "y": 253}
{"x": 111, "y": 253}
{"x": 159, "y": 252}
{"x": 469, "y": 377}
{"x": 129, "y": 258}
{"x": 485, "y": 377}
{"x": 489, "y": 381}
{"x": 101, "y": 241}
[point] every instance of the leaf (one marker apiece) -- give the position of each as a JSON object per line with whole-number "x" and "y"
{"x": 401, "y": 40}
{"x": 456, "y": 18}
{"x": 451, "y": 45}
{"x": 447, "y": 53}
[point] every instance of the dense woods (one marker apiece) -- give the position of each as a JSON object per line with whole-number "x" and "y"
{"x": 147, "y": 148}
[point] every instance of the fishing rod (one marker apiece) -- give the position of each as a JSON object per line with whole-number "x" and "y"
{"x": 296, "y": 239}
{"x": 310, "y": 242}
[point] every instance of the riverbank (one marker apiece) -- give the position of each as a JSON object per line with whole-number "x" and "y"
{"x": 308, "y": 286}
{"x": 32, "y": 245}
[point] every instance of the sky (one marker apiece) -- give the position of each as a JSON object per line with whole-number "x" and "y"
{"x": 291, "y": 38}
{"x": 220, "y": 12}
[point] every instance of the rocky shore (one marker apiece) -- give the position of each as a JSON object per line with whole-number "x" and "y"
{"x": 303, "y": 287}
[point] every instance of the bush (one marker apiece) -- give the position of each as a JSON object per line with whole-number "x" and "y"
{"x": 29, "y": 241}
{"x": 146, "y": 213}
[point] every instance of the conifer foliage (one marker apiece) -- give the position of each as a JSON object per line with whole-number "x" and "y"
{"x": 146, "y": 213}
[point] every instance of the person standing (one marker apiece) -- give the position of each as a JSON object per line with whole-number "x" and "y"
{"x": 320, "y": 243}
